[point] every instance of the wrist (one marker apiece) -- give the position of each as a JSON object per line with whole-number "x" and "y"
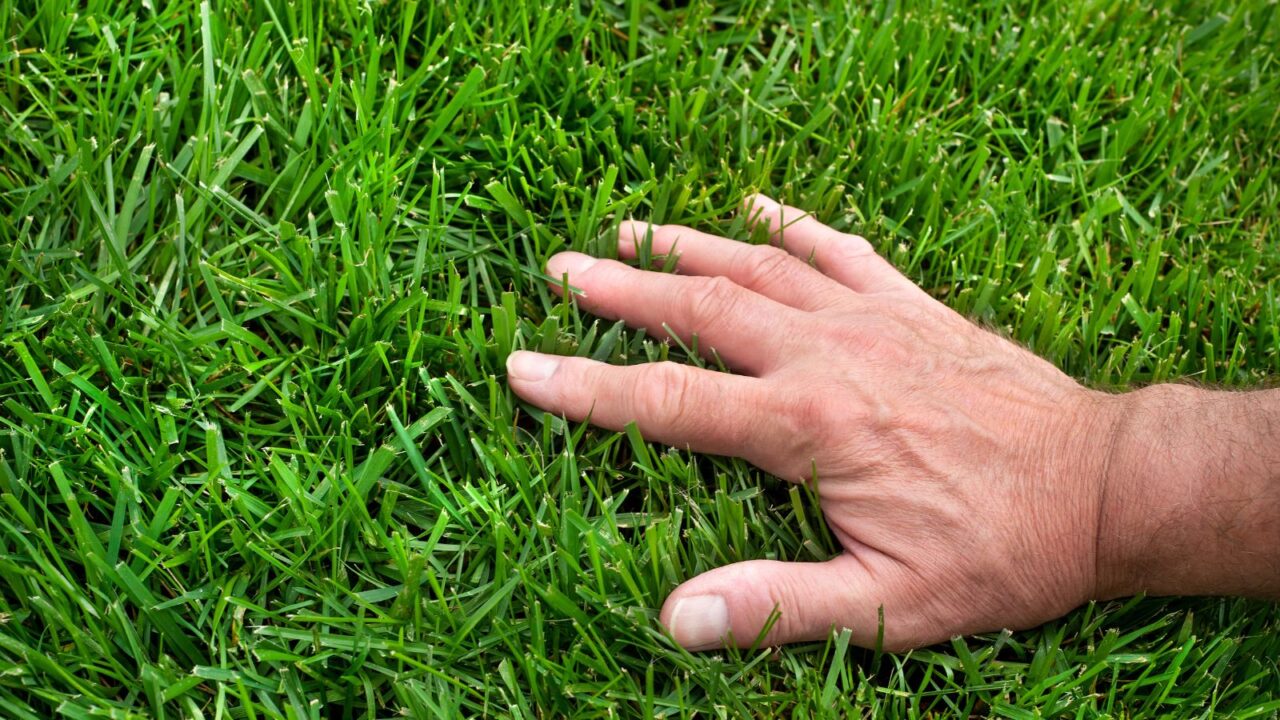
{"x": 1188, "y": 499}
{"x": 1125, "y": 557}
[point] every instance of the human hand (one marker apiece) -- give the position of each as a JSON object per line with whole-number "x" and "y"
{"x": 962, "y": 475}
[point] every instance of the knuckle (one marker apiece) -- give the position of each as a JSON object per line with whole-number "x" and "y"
{"x": 664, "y": 393}
{"x": 810, "y": 412}
{"x": 813, "y": 420}
{"x": 764, "y": 264}
{"x": 710, "y": 299}
{"x": 882, "y": 339}
{"x": 775, "y": 592}
{"x": 861, "y": 336}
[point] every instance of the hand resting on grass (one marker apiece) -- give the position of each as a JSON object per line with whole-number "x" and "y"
{"x": 972, "y": 485}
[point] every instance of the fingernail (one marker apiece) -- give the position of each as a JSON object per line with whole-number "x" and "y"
{"x": 700, "y": 622}
{"x": 762, "y": 202}
{"x": 568, "y": 263}
{"x": 531, "y": 366}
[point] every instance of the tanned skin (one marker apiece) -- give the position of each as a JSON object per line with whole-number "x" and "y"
{"x": 972, "y": 485}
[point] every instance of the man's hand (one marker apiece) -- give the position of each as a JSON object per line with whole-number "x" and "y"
{"x": 965, "y": 478}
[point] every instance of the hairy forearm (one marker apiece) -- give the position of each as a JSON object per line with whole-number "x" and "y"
{"x": 1192, "y": 498}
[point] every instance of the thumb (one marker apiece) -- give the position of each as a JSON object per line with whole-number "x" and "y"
{"x": 731, "y": 605}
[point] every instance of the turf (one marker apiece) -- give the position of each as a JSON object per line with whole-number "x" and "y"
{"x": 261, "y": 262}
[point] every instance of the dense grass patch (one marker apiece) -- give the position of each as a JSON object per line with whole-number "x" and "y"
{"x": 261, "y": 262}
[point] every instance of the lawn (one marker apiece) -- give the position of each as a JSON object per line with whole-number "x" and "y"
{"x": 261, "y": 262}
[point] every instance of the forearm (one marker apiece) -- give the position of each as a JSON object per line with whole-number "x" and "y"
{"x": 1191, "y": 503}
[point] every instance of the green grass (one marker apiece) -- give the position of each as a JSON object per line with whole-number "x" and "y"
{"x": 261, "y": 262}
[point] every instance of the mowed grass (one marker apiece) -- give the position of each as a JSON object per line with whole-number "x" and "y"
{"x": 261, "y": 262}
